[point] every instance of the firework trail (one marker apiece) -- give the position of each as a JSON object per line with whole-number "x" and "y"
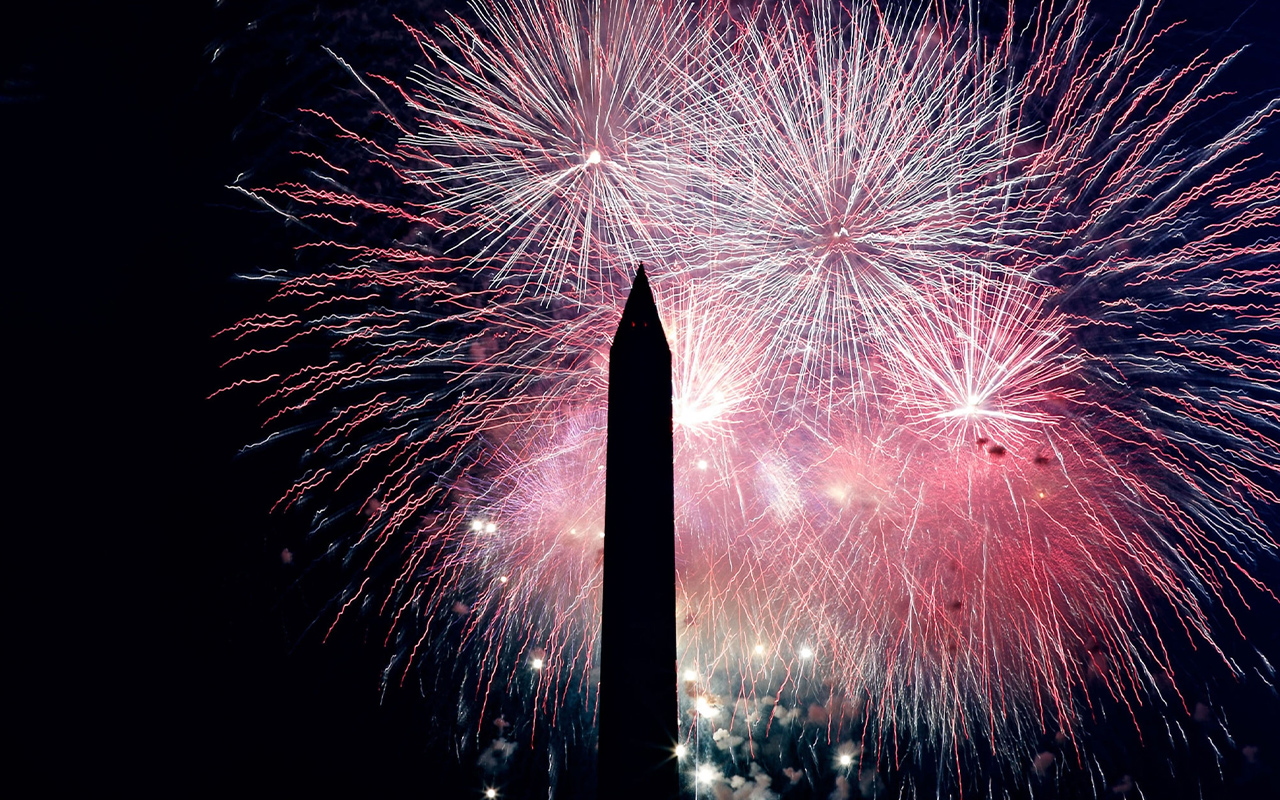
{"x": 976, "y": 381}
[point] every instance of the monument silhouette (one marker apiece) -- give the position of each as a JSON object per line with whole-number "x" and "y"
{"x": 638, "y": 724}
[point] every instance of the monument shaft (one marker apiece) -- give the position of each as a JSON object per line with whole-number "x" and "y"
{"x": 638, "y": 706}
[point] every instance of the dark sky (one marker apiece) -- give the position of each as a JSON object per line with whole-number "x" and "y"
{"x": 153, "y": 650}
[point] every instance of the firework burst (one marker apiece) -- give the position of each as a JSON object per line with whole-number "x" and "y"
{"x": 975, "y": 380}
{"x": 826, "y": 142}
{"x": 541, "y": 136}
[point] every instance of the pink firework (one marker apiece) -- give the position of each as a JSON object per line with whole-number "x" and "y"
{"x": 975, "y": 411}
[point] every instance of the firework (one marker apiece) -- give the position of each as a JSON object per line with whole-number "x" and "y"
{"x": 541, "y": 136}
{"x": 836, "y": 190}
{"x": 975, "y": 406}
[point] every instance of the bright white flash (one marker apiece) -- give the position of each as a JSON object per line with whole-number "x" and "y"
{"x": 593, "y": 157}
{"x": 705, "y": 708}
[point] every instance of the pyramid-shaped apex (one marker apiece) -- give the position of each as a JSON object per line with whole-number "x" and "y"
{"x": 640, "y": 310}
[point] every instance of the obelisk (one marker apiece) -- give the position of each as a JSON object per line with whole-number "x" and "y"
{"x": 638, "y": 706}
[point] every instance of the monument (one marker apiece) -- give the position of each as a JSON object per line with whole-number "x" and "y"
{"x": 638, "y": 724}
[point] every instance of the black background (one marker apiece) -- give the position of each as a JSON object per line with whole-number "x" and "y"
{"x": 150, "y": 648}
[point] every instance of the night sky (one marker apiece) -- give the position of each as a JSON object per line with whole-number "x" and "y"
{"x": 159, "y": 650}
